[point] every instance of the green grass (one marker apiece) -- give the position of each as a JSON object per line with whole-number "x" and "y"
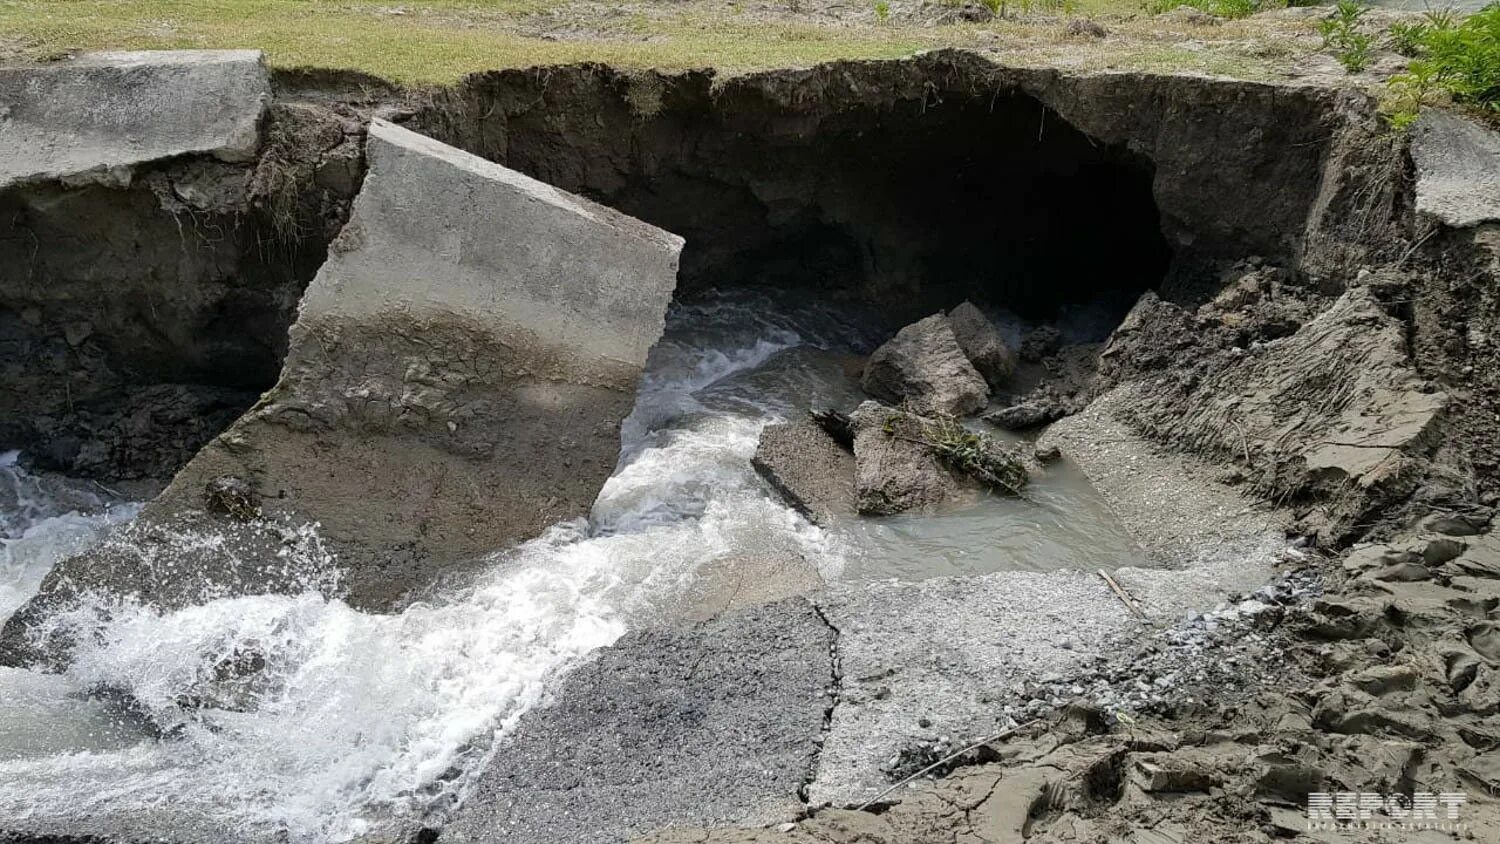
{"x": 1454, "y": 59}
{"x": 433, "y": 42}
{"x": 437, "y": 41}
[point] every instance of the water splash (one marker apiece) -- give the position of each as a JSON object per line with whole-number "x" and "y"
{"x": 43, "y": 519}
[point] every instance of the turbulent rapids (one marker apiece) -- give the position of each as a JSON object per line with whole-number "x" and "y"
{"x": 349, "y": 719}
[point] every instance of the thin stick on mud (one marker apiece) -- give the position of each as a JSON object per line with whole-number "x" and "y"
{"x": 1124, "y": 596}
{"x": 1003, "y": 734}
{"x": 1244, "y": 441}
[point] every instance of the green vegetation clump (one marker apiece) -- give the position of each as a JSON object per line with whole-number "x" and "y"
{"x": 1340, "y": 31}
{"x": 960, "y": 449}
{"x": 1452, "y": 59}
{"x": 882, "y": 11}
{"x": 1229, "y": 9}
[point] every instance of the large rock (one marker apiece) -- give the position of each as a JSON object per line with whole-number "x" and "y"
{"x": 893, "y": 474}
{"x": 455, "y": 383}
{"x": 811, "y": 471}
{"x": 924, "y": 367}
{"x": 121, "y": 110}
{"x": 1458, "y": 169}
{"x": 982, "y": 343}
{"x": 711, "y": 724}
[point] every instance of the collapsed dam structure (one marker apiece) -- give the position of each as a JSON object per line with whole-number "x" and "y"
{"x": 396, "y": 465}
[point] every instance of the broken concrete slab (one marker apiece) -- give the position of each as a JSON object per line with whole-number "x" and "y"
{"x": 705, "y": 725}
{"x": 941, "y": 658}
{"x": 1458, "y": 169}
{"x": 455, "y": 383}
{"x": 808, "y": 468}
{"x": 94, "y": 118}
{"x": 744, "y": 580}
{"x": 930, "y": 666}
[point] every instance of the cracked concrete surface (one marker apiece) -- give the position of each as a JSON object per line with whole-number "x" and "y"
{"x": 713, "y": 723}
{"x": 126, "y": 109}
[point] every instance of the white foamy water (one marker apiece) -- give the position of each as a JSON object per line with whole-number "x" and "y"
{"x": 298, "y": 718}
{"x": 348, "y": 722}
{"x": 43, "y": 519}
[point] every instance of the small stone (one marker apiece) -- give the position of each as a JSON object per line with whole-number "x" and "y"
{"x": 1384, "y": 679}
{"x": 1020, "y": 417}
{"x": 1163, "y": 773}
{"x": 1451, "y": 524}
{"x": 1042, "y": 342}
{"x": 1441, "y": 550}
{"x": 1403, "y": 573}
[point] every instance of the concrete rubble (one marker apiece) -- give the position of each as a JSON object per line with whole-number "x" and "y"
{"x": 1458, "y": 169}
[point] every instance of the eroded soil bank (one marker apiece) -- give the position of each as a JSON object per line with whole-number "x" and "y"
{"x": 1304, "y": 350}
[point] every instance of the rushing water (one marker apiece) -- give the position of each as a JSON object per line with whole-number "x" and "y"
{"x": 354, "y": 720}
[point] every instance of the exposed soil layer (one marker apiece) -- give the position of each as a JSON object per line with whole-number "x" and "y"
{"x": 138, "y": 322}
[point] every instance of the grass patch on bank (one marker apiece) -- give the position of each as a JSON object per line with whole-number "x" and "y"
{"x": 1452, "y": 59}
{"x": 438, "y": 41}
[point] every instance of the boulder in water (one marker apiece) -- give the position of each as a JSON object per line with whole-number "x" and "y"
{"x": 982, "y": 343}
{"x": 924, "y": 368}
{"x": 802, "y": 462}
{"x": 893, "y": 475}
{"x": 909, "y": 462}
